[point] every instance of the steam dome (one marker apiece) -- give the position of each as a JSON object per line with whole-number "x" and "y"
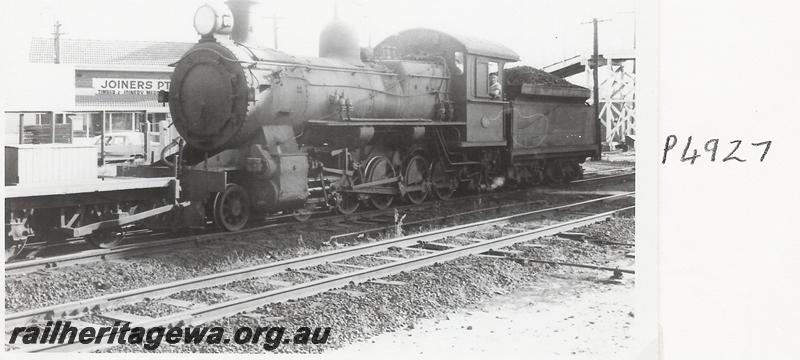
{"x": 339, "y": 41}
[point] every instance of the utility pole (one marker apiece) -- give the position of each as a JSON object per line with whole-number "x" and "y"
{"x": 596, "y": 91}
{"x": 275, "y": 19}
{"x": 335, "y": 9}
{"x": 596, "y": 87}
{"x": 56, "y": 41}
{"x": 634, "y": 34}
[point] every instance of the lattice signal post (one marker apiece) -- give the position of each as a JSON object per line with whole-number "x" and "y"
{"x": 618, "y": 99}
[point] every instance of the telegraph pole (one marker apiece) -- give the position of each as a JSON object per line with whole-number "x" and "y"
{"x": 596, "y": 91}
{"x": 335, "y": 9}
{"x": 275, "y": 30}
{"x": 56, "y": 41}
{"x": 275, "y": 27}
{"x": 596, "y": 88}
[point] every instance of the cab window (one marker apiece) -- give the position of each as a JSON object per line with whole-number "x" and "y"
{"x": 495, "y": 89}
{"x": 487, "y": 80}
{"x": 481, "y": 78}
{"x": 458, "y": 59}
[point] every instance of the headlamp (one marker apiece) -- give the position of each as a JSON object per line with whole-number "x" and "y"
{"x": 209, "y": 20}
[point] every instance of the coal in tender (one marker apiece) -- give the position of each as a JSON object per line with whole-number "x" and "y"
{"x": 521, "y": 75}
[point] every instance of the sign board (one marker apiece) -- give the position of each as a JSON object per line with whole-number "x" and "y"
{"x": 120, "y": 86}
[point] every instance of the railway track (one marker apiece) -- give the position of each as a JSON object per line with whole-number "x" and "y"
{"x": 142, "y": 246}
{"x": 602, "y": 177}
{"x": 429, "y": 247}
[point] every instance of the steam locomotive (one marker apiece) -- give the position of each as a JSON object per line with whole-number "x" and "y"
{"x": 417, "y": 117}
{"x": 413, "y": 118}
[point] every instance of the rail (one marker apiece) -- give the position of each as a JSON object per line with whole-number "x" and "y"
{"x": 141, "y": 248}
{"x": 202, "y": 314}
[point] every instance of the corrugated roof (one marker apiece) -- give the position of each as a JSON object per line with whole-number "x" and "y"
{"x": 103, "y": 52}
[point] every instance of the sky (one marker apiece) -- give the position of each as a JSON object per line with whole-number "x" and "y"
{"x": 541, "y": 32}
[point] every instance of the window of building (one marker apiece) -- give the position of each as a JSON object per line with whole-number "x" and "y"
{"x": 117, "y": 122}
{"x": 44, "y": 118}
{"x": 157, "y": 122}
{"x": 155, "y": 119}
{"x": 138, "y": 121}
{"x": 13, "y": 121}
{"x": 96, "y": 123}
{"x": 81, "y": 125}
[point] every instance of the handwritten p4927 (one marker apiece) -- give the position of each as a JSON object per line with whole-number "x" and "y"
{"x": 714, "y": 150}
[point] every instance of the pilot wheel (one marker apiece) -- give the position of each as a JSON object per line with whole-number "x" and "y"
{"x": 348, "y": 202}
{"x": 232, "y": 208}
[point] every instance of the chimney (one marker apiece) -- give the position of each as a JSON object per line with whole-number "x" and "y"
{"x": 240, "y": 9}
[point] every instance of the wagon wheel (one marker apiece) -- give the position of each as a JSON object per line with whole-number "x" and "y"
{"x": 538, "y": 175}
{"x": 569, "y": 173}
{"x": 572, "y": 171}
{"x": 166, "y": 221}
{"x": 553, "y": 173}
{"x": 444, "y": 184}
{"x": 106, "y": 238}
{"x": 379, "y": 168}
{"x": 415, "y": 177}
{"x": 347, "y": 203}
{"x": 231, "y": 208}
{"x": 45, "y": 225}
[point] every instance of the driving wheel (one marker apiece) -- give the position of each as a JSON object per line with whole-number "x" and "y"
{"x": 414, "y": 177}
{"x": 380, "y": 168}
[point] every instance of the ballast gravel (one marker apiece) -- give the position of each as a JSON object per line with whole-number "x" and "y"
{"x": 357, "y": 312}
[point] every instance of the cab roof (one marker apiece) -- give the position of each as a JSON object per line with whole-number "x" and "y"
{"x": 430, "y": 38}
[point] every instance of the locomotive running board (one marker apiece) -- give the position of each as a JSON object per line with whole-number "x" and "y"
{"x": 386, "y": 122}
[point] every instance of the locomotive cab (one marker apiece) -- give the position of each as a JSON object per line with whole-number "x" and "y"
{"x": 470, "y": 63}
